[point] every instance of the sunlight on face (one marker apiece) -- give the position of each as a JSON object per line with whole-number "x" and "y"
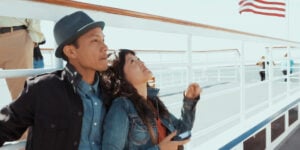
{"x": 92, "y": 51}
{"x": 135, "y": 70}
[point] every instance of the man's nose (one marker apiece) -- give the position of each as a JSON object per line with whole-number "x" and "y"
{"x": 104, "y": 47}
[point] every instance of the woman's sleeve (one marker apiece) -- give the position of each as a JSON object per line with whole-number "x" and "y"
{"x": 187, "y": 119}
{"x": 115, "y": 127}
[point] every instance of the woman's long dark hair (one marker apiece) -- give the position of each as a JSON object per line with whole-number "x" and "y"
{"x": 121, "y": 87}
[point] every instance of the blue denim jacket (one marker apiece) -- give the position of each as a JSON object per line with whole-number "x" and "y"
{"x": 124, "y": 129}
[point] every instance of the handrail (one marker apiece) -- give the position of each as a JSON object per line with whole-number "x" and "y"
{"x": 137, "y": 50}
{"x": 217, "y": 50}
{"x": 47, "y": 49}
{"x": 23, "y": 72}
{"x": 160, "y": 51}
{"x": 281, "y": 47}
{"x": 137, "y": 20}
{"x": 172, "y": 51}
{"x": 187, "y": 27}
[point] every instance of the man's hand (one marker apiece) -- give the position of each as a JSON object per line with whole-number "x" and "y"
{"x": 35, "y": 44}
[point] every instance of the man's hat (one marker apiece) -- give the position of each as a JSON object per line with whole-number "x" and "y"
{"x": 72, "y": 26}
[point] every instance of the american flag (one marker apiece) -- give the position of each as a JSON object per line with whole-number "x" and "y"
{"x": 263, "y": 7}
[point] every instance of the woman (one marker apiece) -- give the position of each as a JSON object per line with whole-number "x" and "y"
{"x": 137, "y": 118}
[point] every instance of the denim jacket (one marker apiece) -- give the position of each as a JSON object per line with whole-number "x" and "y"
{"x": 124, "y": 129}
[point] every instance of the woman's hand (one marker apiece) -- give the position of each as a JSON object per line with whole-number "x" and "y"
{"x": 168, "y": 144}
{"x": 193, "y": 91}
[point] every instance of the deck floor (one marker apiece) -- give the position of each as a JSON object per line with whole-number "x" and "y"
{"x": 291, "y": 142}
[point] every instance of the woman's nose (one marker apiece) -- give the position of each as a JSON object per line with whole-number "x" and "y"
{"x": 140, "y": 62}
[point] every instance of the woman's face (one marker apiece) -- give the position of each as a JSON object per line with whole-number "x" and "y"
{"x": 135, "y": 71}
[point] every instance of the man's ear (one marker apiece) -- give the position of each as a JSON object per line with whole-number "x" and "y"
{"x": 69, "y": 51}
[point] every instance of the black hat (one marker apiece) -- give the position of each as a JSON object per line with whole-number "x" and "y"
{"x": 72, "y": 26}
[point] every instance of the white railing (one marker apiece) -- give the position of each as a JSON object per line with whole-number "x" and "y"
{"x": 224, "y": 112}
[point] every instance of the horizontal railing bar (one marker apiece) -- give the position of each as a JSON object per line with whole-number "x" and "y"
{"x": 181, "y": 24}
{"x": 23, "y": 72}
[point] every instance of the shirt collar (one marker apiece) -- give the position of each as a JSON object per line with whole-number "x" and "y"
{"x": 87, "y": 88}
{"x": 152, "y": 92}
{"x": 72, "y": 75}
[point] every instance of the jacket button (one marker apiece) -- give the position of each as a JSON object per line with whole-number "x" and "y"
{"x": 79, "y": 113}
{"x": 75, "y": 143}
{"x": 52, "y": 125}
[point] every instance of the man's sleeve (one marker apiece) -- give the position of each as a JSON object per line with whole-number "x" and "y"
{"x": 17, "y": 116}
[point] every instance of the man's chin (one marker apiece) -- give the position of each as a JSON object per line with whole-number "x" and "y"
{"x": 103, "y": 68}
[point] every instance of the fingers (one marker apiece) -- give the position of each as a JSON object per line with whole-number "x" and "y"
{"x": 193, "y": 91}
{"x": 168, "y": 144}
{"x": 170, "y": 136}
{"x": 35, "y": 44}
{"x": 196, "y": 88}
{"x": 181, "y": 142}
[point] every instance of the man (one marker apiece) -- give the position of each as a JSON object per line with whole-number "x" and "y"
{"x": 18, "y": 36}
{"x": 262, "y": 72}
{"x": 284, "y": 65}
{"x": 65, "y": 109}
{"x": 263, "y": 63}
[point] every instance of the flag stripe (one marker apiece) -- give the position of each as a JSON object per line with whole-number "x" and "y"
{"x": 263, "y": 10}
{"x": 263, "y": 7}
{"x": 273, "y": 3}
{"x": 263, "y": 2}
{"x": 262, "y": 13}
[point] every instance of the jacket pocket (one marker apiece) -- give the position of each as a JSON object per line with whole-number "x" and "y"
{"x": 51, "y": 133}
{"x": 138, "y": 132}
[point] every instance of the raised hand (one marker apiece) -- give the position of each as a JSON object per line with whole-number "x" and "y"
{"x": 193, "y": 91}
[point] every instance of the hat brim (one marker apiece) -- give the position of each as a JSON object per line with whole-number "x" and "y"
{"x": 81, "y": 31}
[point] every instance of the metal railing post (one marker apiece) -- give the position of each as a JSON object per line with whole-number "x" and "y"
{"x": 242, "y": 84}
{"x": 190, "y": 57}
{"x": 288, "y": 70}
{"x": 270, "y": 74}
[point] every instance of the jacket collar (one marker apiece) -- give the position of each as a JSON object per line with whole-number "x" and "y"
{"x": 72, "y": 75}
{"x": 152, "y": 92}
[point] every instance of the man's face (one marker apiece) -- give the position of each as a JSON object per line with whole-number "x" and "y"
{"x": 91, "y": 51}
